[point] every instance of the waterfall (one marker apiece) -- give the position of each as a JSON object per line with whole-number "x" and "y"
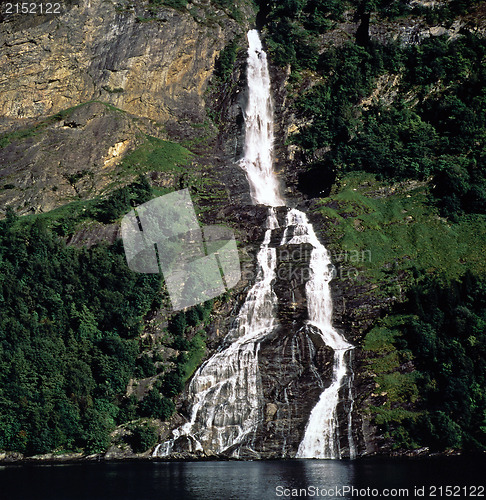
{"x": 225, "y": 393}
{"x": 321, "y": 438}
{"x": 257, "y": 156}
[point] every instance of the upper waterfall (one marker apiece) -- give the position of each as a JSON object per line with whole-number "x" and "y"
{"x": 257, "y": 158}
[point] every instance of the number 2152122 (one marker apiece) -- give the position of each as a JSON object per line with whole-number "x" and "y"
{"x": 32, "y": 8}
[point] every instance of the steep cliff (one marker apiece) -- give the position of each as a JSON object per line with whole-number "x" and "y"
{"x": 94, "y": 97}
{"x": 150, "y": 62}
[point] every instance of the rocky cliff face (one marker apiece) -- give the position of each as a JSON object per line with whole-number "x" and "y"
{"x": 149, "y": 63}
{"x": 71, "y": 156}
{"x": 154, "y": 65}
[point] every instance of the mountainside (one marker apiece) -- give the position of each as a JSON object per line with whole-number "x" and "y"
{"x": 385, "y": 138}
{"x": 380, "y": 117}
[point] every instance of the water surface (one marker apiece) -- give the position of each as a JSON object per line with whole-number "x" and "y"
{"x": 238, "y": 480}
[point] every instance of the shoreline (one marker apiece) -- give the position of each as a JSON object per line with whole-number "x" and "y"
{"x": 75, "y": 459}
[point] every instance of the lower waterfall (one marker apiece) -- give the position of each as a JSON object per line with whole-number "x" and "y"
{"x": 225, "y": 393}
{"x": 321, "y": 438}
{"x": 225, "y": 390}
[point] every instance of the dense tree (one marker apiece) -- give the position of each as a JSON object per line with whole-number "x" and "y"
{"x": 156, "y": 406}
{"x": 67, "y": 349}
{"x": 142, "y": 437}
{"x": 440, "y": 136}
{"x": 172, "y": 384}
{"x": 447, "y": 337}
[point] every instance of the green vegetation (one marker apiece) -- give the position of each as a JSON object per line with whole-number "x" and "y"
{"x": 442, "y": 136}
{"x": 68, "y": 336}
{"x": 17, "y": 135}
{"x": 69, "y": 342}
{"x": 175, "y": 4}
{"x": 223, "y": 67}
{"x": 39, "y": 127}
{"x": 391, "y": 10}
{"x": 394, "y": 137}
{"x": 448, "y": 11}
{"x": 439, "y": 132}
{"x": 196, "y": 353}
{"x": 447, "y": 336}
{"x": 65, "y": 220}
{"x": 191, "y": 349}
{"x": 293, "y": 27}
{"x": 442, "y": 402}
{"x": 401, "y": 231}
{"x": 156, "y": 406}
{"x": 119, "y": 202}
{"x": 142, "y": 437}
{"x": 429, "y": 346}
{"x": 24, "y": 133}
{"x": 231, "y": 8}
{"x": 71, "y": 318}
{"x": 154, "y": 155}
{"x": 331, "y": 103}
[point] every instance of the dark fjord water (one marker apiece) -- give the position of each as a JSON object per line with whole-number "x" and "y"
{"x": 247, "y": 480}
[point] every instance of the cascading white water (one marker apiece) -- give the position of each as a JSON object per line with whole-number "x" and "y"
{"x": 257, "y": 158}
{"x": 225, "y": 392}
{"x": 321, "y": 438}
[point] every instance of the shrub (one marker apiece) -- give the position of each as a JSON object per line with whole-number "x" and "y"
{"x": 156, "y": 406}
{"x": 172, "y": 384}
{"x": 142, "y": 437}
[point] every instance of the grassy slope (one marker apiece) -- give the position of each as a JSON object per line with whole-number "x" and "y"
{"x": 401, "y": 230}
